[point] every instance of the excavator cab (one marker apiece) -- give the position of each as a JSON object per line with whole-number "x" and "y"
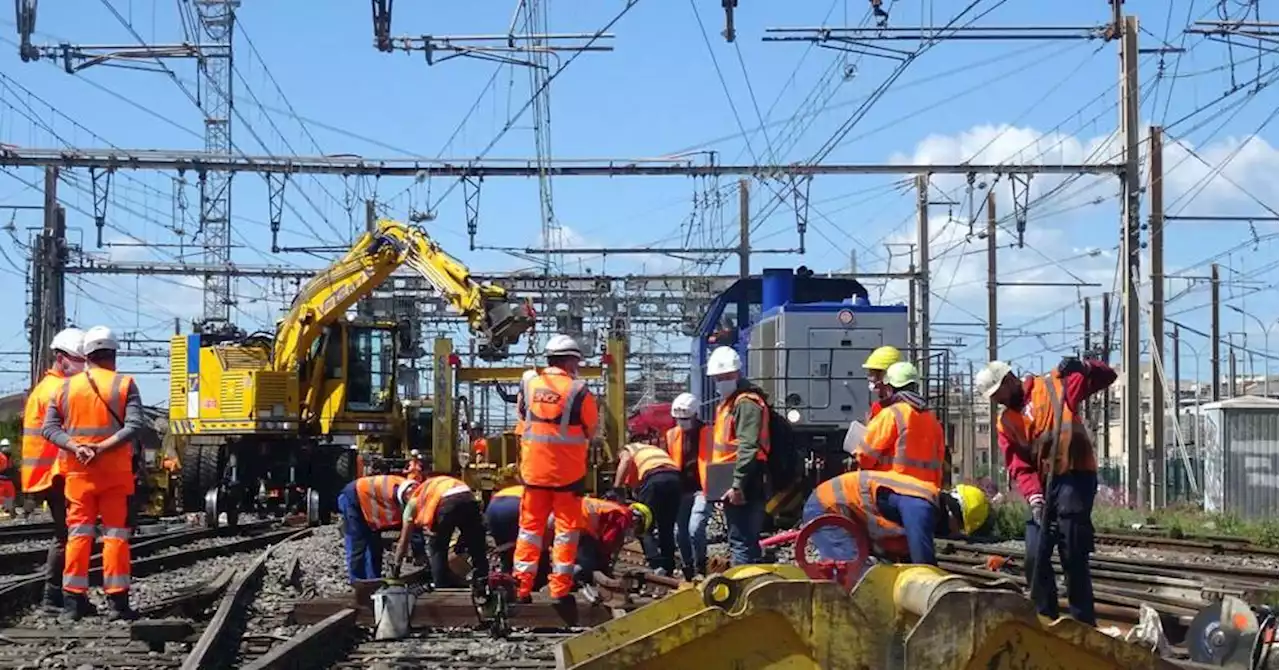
{"x": 355, "y": 391}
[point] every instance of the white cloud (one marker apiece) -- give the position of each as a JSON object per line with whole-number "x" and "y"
{"x": 1232, "y": 170}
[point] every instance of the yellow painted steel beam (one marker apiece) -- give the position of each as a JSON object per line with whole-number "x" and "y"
{"x": 443, "y": 432}
{"x": 509, "y": 374}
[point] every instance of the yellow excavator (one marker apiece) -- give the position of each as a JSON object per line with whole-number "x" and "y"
{"x": 268, "y": 421}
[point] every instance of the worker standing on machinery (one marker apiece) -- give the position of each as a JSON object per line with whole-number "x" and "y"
{"x": 906, "y": 439}
{"x": 440, "y": 506}
{"x": 741, "y": 436}
{"x": 370, "y": 505}
{"x": 876, "y": 365}
{"x": 558, "y": 418}
{"x": 863, "y": 496}
{"x": 96, "y": 415}
{"x": 7, "y": 491}
{"x": 413, "y": 471}
{"x": 43, "y": 463}
{"x": 1043, "y": 438}
{"x": 653, "y": 474}
{"x": 689, "y": 444}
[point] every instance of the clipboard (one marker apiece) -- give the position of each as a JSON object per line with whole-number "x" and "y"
{"x": 854, "y": 436}
{"x": 719, "y": 480}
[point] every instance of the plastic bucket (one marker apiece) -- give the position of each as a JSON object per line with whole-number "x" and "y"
{"x": 392, "y": 611}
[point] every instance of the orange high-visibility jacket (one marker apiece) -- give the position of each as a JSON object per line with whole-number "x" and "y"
{"x": 605, "y": 519}
{"x": 379, "y": 505}
{"x": 853, "y": 495}
{"x": 725, "y": 442}
{"x": 905, "y": 440}
{"x": 83, "y": 407}
{"x": 1075, "y": 451}
{"x": 558, "y": 417}
{"x": 676, "y": 445}
{"x": 41, "y": 459}
{"x": 646, "y": 459}
{"x": 430, "y": 494}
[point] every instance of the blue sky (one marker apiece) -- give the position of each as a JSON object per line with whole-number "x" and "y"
{"x": 656, "y": 94}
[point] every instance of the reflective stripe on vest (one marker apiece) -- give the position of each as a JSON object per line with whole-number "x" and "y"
{"x": 431, "y": 493}
{"x": 41, "y": 459}
{"x": 378, "y": 503}
{"x": 1075, "y": 450}
{"x": 648, "y": 459}
{"x": 85, "y": 416}
{"x": 595, "y": 509}
{"x": 854, "y": 495}
{"x": 725, "y": 447}
{"x": 563, "y": 423}
{"x": 912, "y": 431}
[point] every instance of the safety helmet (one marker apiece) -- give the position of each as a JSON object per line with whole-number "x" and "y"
{"x": 69, "y": 341}
{"x": 642, "y": 517}
{"x": 901, "y": 375}
{"x": 685, "y": 406}
{"x": 882, "y": 358}
{"x": 989, "y": 378}
{"x": 404, "y": 490}
{"x": 415, "y": 454}
{"x": 4, "y": 444}
{"x": 723, "y": 360}
{"x": 99, "y": 338}
{"x": 563, "y": 345}
{"x": 973, "y": 506}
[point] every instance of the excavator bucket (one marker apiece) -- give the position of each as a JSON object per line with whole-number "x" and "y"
{"x": 505, "y": 323}
{"x": 897, "y": 617}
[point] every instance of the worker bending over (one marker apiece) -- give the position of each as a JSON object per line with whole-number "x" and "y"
{"x": 95, "y": 416}
{"x": 607, "y": 526}
{"x": 876, "y": 365}
{"x": 443, "y": 505}
{"x": 43, "y": 463}
{"x": 502, "y": 517}
{"x": 558, "y": 417}
{"x": 689, "y": 444}
{"x": 906, "y": 439}
{"x": 862, "y": 497}
{"x": 1042, "y": 436}
{"x": 741, "y": 436}
{"x": 370, "y": 505}
{"x": 653, "y": 475}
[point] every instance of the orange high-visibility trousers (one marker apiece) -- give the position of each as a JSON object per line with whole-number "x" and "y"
{"x": 88, "y": 499}
{"x": 535, "y": 506}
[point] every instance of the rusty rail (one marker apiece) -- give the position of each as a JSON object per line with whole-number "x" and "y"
{"x": 316, "y": 646}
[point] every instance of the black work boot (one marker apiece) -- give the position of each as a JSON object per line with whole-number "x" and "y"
{"x": 120, "y": 609}
{"x": 567, "y": 608}
{"x": 51, "y": 603}
{"x": 75, "y": 606}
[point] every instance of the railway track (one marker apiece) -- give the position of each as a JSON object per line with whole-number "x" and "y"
{"x": 1218, "y": 546}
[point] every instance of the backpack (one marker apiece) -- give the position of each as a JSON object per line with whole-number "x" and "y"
{"x": 784, "y": 466}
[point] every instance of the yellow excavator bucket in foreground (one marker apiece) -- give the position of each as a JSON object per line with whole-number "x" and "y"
{"x": 897, "y": 617}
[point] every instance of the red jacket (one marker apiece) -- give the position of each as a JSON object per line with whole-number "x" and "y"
{"x": 875, "y": 409}
{"x": 1023, "y": 474}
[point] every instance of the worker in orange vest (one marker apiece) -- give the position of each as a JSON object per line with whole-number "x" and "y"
{"x": 558, "y": 417}
{"x": 606, "y": 527}
{"x": 740, "y": 436}
{"x": 95, "y": 415}
{"x": 689, "y": 444}
{"x": 440, "y": 506}
{"x": 479, "y": 445}
{"x": 653, "y": 475}
{"x": 876, "y": 365}
{"x": 906, "y": 438}
{"x": 370, "y": 505}
{"x": 43, "y": 462}
{"x": 413, "y": 470}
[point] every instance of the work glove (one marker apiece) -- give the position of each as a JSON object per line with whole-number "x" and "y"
{"x": 616, "y": 495}
{"x": 1069, "y": 365}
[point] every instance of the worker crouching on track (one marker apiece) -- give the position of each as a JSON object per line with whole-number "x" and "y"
{"x": 862, "y": 496}
{"x": 876, "y": 365}
{"x": 607, "y": 526}
{"x": 43, "y": 463}
{"x": 689, "y": 444}
{"x": 655, "y": 478}
{"x": 741, "y": 437}
{"x": 1034, "y": 410}
{"x": 906, "y": 439}
{"x": 442, "y": 505}
{"x": 370, "y": 505}
{"x": 502, "y": 517}
{"x": 558, "y": 417}
{"x": 95, "y": 416}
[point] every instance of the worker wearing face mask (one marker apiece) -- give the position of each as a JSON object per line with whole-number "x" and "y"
{"x": 689, "y": 444}
{"x": 876, "y": 365}
{"x": 740, "y": 436}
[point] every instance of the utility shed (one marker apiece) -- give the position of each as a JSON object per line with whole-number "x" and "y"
{"x": 1242, "y": 457}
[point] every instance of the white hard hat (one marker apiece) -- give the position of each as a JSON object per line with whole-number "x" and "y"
{"x": 4, "y": 442}
{"x": 99, "y": 338}
{"x": 989, "y": 378}
{"x": 685, "y": 406}
{"x": 404, "y": 489}
{"x": 723, "y": 360}
{"x": 415, "y": 453}
{"x": 563, "y": 345}
{"x": 69, "y": 341}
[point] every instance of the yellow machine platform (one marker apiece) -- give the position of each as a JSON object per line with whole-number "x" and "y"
{"x": 897, "y": 617}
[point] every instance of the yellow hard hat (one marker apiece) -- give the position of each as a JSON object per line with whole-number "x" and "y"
{"x": 882, "y": 358}
{"x": 641, "y": 513}
{"x": 974, "y": 507}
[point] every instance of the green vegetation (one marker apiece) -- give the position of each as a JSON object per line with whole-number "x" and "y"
{"x": 1174, "y": 521}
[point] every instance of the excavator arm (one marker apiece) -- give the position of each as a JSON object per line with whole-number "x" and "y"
{"x": 373, "y": 257}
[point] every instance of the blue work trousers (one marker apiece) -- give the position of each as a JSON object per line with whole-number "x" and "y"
{"x": 364, "y": 545}
{"x": 502, "y": 516}
{"x": 1069, "y": 512}
{"x": 832, "y": 544}
{"x": 744, "y": 523}
{"x": 917, "y": 517}
{"x": 691, "y": 532}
